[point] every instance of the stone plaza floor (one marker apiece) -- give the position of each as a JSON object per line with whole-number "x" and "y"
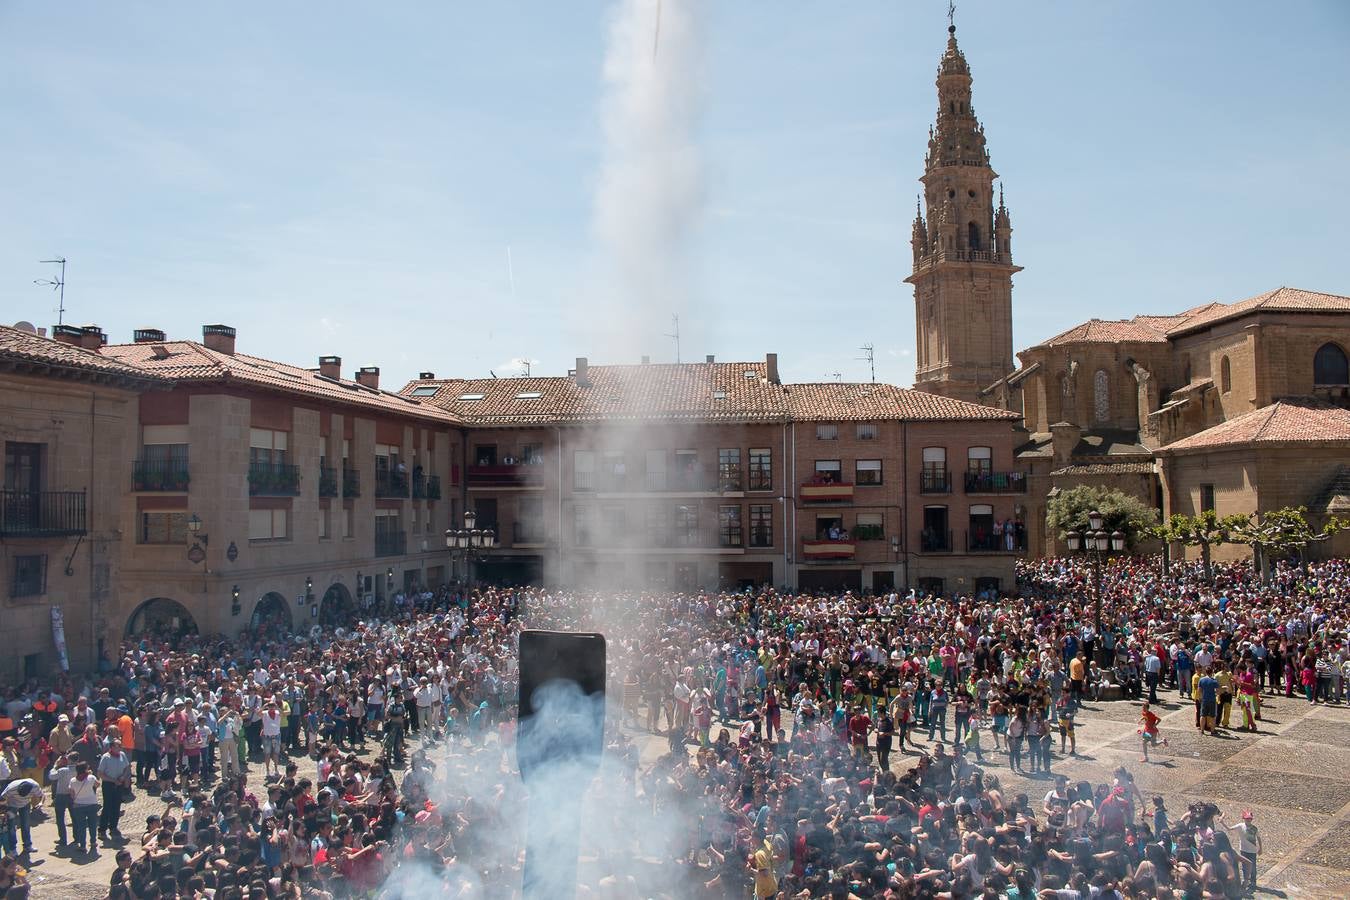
{"x": 1294, "y": 774}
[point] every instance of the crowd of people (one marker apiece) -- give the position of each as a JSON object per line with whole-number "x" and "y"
{"x": 841, "y": 746}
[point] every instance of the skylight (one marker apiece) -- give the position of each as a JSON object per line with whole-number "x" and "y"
{"x": 425, "y": 391}
{"x": 750, "y": 373}
{"x": 529, "y": 395}
{"x": 472, "y": 396}
{"x": 719, "y": 395}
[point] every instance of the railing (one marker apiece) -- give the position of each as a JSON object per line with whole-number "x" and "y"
{"x": 351, "y": 483}
{"x": 433, "y": 487}
{"x": 826, "y": 492}
{"x": 42, "y": 513}
{"x": 390, "y": 543}
{"x": 273, "y": 480}
{"x": 935, "y": 481}
{"x": 869, "y": 533}
{"x": 960, "y": 255}
{"x": 527, "y": 533}
{"x": 159, "y": 475}
{"x": 391, "y": 483}
{"x": 985, "y": 542}
{"x": 816, "y": 550}
{"x": 328, "y": 486}
{"x": 935, "y": 541}
{"x": 419, "y": 486}
{"x": 694, "y": 482}
{"x": 996, "y": 483}
{"x": 761, "y": 539}
{"x": 730, "y": 479}
{"x": 498, "y": 476}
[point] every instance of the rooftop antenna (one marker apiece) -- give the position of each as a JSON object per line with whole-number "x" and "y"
{"x": 869, "y": 354}
{"x": 57, "y": 284}
{"x": 525, "y": 366}
{"x": 676, "y": 335}
{"x": 837, "y": 376}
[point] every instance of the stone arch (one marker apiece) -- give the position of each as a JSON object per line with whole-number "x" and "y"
{"x": 272, "y": 610}
{"x": 973, "y": 236}
{"x": 161, "y": 615}
{"x": 336, "y": 607}
{"x": 1330, "y": 365}
{"x": 1101, "y": 396}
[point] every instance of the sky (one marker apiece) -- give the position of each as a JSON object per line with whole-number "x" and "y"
{"x": 414, "y": 185}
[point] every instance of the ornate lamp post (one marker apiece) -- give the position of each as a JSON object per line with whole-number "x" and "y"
{"x": 467, "y": 543}
{"x": 1097, "y": 545}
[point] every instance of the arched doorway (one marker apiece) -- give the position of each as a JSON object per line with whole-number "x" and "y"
{"x": 162, "y": 617}
{"x": 336, "y": 608}
{"x": 272, "y": 611}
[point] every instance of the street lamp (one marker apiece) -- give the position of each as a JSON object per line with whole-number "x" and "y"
{"x": 196, "y": 554}
{"x": 468, "y": 541}
{"x": 1096, "y": 544}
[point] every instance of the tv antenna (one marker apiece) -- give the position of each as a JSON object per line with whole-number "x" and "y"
{"x": 869, "y": 354}
{"x": 57, "y": 284}
{"x": 675, "y": 320}
{"x": 525, "y": 367}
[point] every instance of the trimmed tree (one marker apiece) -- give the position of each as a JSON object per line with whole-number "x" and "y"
{"x": 1068, "y": 511}
{"x": 1206, "y": 531}
{"x": 1282, "y": 532}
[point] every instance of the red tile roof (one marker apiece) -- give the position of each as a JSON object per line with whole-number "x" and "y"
{"x": 192, "y": 362}
{"x": 737, "y": 392}
{"x": 1282, "y": 422}
{"x": 1110, "y": 332}
{"x": 1282, "y": 299}
{"x": 1112, "y": 468}
{"x": 22, "y": 347}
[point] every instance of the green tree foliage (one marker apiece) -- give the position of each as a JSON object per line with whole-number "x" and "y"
{"x": 1206, "y": 531}
{"x": 1282, "y": 532}
{"x": 1068, "y": 511}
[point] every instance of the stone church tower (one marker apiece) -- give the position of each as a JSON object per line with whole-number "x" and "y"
{"x": 962, "y": 250}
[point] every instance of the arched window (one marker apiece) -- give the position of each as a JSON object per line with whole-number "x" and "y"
{"x": 1330, "y": 366}
{"x": 973, "y": 236}
{"x": 1225, "y": 375}
{"x": 1101, "y": 396}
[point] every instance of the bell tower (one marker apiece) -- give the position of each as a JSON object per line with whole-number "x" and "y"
{"x": 962, "y": 245}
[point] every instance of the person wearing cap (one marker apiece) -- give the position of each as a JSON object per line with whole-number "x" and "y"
{"x": 1249, "y": 845}
{"x": 60, "y": 740}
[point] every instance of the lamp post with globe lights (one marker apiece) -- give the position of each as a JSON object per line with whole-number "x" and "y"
{"x": 1097, "y": 545}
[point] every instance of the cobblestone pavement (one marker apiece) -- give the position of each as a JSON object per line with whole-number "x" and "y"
{"x": 1294, "y": 774}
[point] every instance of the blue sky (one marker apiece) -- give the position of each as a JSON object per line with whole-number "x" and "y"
{"x": 348, "y": 177}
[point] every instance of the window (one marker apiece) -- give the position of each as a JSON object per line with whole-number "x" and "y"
{"x": 426, "y": 390}
{"x": 530, "y": 520}
{"x": 582, "y": 525}
{"x": 347, "y": 520}
{"x": 761, "y": 469}
{"x": 933, "y": 477}
{"x": 658, "y": 525}
{"x": 980, "y": 460}
{"x": 867, "y": 431}
{"x": 729, "y": 526}
{"x": 656, "y": 470}
{"x": 936, "y": 535}
{"x": 868, "y": 471}
{"x": 485, "y": 455}
{"x": 267, "y": 524}
{"x": 686, "y": 525}
{"x": 1225, "y": 375}
{"x": 869, "y": 527}
{"x": 164, "y": 458}
{"x": 614, "y": 521}
{"x": 323, "y": 523}
{"x": 470, "y": 398}
{"x": 267, "y": 448}
{"x": 826, "y": 432}
{"x": 1330, "y": 365}
{"x": 583, "y": 470}
{"x": 163, "y": 528}
{"x": 529, "y": 395}
{"x": 761, "y": 525}
{"x": 1101, "y": 396}
{"x": 532, "y": 454}
{"x": 973, "y": 236}
{"x": 1206, "y": 498}
{"x": 28, "y": 576}
{"x": 828, "y": 471}
{"x": 981, "y": 531}
{"x": 686, "y": 470}
{"x": 729, "y": 469}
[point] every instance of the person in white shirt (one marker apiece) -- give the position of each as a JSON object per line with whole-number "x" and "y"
{"x": 19, "y": 797}
{"x": 271, "y": 739}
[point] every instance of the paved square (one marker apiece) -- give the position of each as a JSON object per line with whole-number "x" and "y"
{"x": 1279, "y": 789}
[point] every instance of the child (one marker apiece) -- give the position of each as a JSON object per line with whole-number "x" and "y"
{"x": 1159, "y": 816}
{"x": 1149, "y": 732}
{"x": 1066, "y": 725}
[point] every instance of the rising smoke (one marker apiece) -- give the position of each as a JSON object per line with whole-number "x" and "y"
{"x": 650, "y": 192}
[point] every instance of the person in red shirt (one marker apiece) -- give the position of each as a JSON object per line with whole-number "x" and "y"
{"x": 1149, "y": 732}
{"x": 858, "y": 727}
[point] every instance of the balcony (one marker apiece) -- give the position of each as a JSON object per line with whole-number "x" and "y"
{"x": 351, "y": 483}
{"x": 273, "y": 480}
{"x": 159, "y": 475}
{"x": 391, "y": 483}
{"x": 419, "y": 486}
{"x": 985, "y": 542}
{"x": 42, "y": 513}
{"x": 433, "y": 487}
{"x": 869, "y": 533}
{"x": 935, "y": 481}
{"x": 827, "y": 492}
{"x": 526, "y": 533}
{"x": 996, "y": 483}
{"x": 730, "y": 479}
{"x": 390, "y": 543}
{"x": 514, "y": 475}
{"x": 328, "y": 486}
{"x": 815, "y": 551}
{"x": 933, "y": 541}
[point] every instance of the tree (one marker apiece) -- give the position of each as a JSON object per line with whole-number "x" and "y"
{"x": 1206, "y": 531}
{"x": 1068, "y": 511}
{"x": 1282, "y": 532}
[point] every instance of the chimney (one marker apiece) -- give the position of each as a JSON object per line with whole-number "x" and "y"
{"x": 219, "y": 338}
{"x": 330, "y": 367}
{"x": 369, "y": 376}
{"x": 710, "y": 358}
{"x": 147, "y": 336}
{"x": 583, "y": 378}
{"x": 426, "y": 376}
{"x": 92, "y": 337}
{"x": 68, "y": 334}
{"x": 771, "y": 363}
{"x": 646, "y": 360}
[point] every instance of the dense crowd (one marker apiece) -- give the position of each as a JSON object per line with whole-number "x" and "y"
{"x": 818, "y": 746}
